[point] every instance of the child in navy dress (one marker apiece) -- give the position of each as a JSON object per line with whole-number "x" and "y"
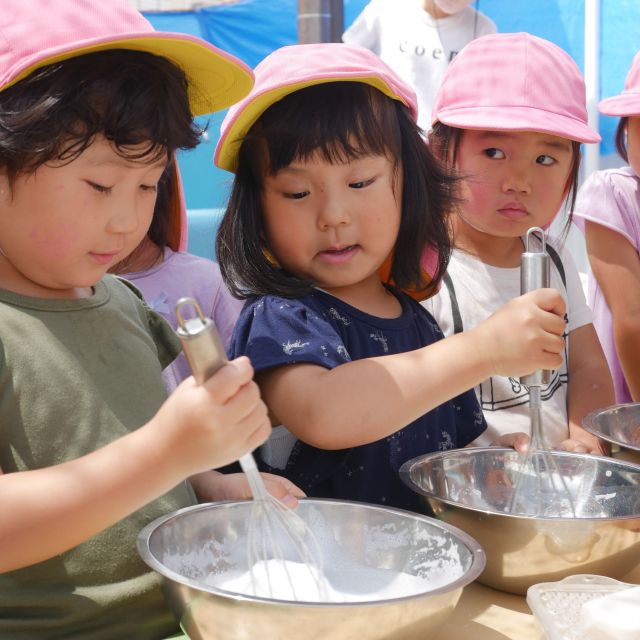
{"x": 334, "y": 199}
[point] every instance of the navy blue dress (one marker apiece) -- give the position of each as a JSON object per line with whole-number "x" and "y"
{"x": 321, "y": 329}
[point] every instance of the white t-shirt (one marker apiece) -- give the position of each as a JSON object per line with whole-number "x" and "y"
{"x": 417, "y": 47}
{"x": 480, "y": 290}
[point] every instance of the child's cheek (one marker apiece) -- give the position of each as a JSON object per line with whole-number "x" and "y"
{"x": 56, "y": 242}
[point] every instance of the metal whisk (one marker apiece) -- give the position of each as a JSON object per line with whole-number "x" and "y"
{"x": 540, "y": 485}
{"x": 283, "y": 556}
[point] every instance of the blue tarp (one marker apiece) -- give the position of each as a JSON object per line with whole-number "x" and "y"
{"x": 250, "y": 29}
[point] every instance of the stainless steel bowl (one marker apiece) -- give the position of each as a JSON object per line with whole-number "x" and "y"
{"x": 473, "y": 490}
{"x": 619, "y": 425}
{"x": 193, "y": 547}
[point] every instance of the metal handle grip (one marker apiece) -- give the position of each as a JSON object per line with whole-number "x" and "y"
{"x": 535, "y": 273}
{"x": 205, "y": 354}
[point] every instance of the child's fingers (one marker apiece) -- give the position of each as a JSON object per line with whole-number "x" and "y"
{"x": 255, "y": 426}
{"x": 225, "y": 383}
{"x": 549, "y": 300}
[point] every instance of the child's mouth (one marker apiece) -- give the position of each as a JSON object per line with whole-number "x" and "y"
{"x": 339, "y": 255}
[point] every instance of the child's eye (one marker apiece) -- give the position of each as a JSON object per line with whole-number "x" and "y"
{"x": 545, "y": 160}
{"x": 296, "y": 196}
{"x": 99, "y": 187}
{"x": 361, "y": 184}
{"x": 494, "y": 153}
{"x": 149, "y": 187}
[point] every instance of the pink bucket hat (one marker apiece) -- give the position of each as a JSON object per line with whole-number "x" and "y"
{"x": 295, "y": 67}
{"x": 514, "y": 82}
{"x": 626, "y": 103}
{"x": 35, "y": 33}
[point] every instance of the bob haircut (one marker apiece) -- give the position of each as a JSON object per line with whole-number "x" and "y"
{"x": 55, "y": 113}
{"x": 445, "y": 141}
{"x": 342, "y": 121}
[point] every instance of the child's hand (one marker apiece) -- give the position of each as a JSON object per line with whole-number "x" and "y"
{"x": 525, "y": 334}
{"x": 210, "y": 425}
{"x": 213, "y": 486}
{"x": 575, "y": 446}
{"x": 518, "y": 441}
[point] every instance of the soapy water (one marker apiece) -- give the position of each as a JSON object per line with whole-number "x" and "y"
{"x": 286, "y": 580}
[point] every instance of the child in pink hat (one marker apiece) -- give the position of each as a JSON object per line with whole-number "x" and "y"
{"x": 93, "y": 105}
{"x": 509, "y": 118}
{"x": 608, "y": 210}
{"x": 332, "y": 181}
{"x": 165, "y": 271}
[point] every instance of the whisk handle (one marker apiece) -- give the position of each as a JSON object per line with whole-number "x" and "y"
{"x": 535, "y": 273}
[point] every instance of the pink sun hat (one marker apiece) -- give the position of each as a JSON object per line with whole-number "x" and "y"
{"x": 35, "y": 33}
{"x": 295, "y": 67}
{"x": 626, "y": 103}
{"x": 514, "y": 82}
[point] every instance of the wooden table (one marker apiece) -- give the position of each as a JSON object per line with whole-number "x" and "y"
{"x": 486, "y": 614}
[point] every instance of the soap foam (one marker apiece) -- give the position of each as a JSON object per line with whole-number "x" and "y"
{"x": 286, "y": 580}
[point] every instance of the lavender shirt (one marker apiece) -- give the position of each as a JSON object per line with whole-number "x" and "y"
{"x": 610, "y": 198}
{"x": 185, "y": 274}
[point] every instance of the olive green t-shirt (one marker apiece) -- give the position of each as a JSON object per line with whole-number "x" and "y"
{"x": 74, "y": 376}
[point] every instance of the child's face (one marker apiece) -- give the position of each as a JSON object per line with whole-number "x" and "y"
{"x": 633, "y": 143}
{"x": 64, "y": 225}
{"x": 513, "y": 180}
{"x": 333, "y": 224}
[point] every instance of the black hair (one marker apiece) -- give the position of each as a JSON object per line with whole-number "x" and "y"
{"x": 342, "y": 121}
{"x": 130, "y": 97}
{"x": 621, "y": 138}
{"x": 446, "y": 140}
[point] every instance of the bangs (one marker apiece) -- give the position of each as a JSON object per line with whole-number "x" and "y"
{"x": 340, "y": 121}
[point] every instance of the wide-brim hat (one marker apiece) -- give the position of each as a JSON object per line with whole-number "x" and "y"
{"x": 296, "y": 67}
{"x": 514, "y": 82}
{"x": 626, "y": 103}
{"x": 35, "y": 33}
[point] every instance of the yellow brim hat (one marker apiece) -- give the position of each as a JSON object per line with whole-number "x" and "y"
{"x": 292, "y": 68}
{"x": 36, "y": 33}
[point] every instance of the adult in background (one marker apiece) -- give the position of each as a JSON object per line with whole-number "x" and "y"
{"x": 418, "y": 39}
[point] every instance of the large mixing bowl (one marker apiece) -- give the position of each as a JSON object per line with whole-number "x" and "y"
{"x": 363, "y": 547}
{"x": 589, "y": 524}
{"x": 619, "y": 425}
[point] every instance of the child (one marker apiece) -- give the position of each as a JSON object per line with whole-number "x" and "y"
{"x": 608, "y": 210}
{"x": 514, "y": 135}
{"x": 418, "y": 39}
{"x": 332, "y": 178}
{"x": 164, "y": 272}
{"x": 93, "y": 103}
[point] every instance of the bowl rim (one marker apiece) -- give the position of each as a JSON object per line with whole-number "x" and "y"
{"x": 588, "y": 422}
{"x": 478, "y": 556}
{"x": 406, "y": 468}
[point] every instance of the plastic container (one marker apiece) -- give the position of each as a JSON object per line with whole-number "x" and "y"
{"x": 557, "y": 606}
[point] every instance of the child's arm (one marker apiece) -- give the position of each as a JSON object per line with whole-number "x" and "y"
{"x": 616, "y": 266}
{"x": 590, "y": 387}
{"x": 365, "y": 400}
{"x": 47, "y": 511}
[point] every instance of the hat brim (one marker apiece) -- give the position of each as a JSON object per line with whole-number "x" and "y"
{"x": 513, "y": 118}
{"x": 623, "y": 105}
{"x": 216, "y": 79}
{"x": 226, "y": 154}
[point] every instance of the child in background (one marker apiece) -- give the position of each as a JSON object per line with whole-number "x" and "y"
{"x": 332, "y": 179}
{"x": 93, "y": 103}
{"x": 418, "y": 39}
{"x": 164, "y": 272}
{"x": 514, "y": 136}
{"x": 608, "y": 211}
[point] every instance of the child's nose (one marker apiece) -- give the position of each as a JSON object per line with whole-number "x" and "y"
{"x": 516, "y": 181}
{"x": 123, "y": 219}
{"x": 333, "y": 213}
